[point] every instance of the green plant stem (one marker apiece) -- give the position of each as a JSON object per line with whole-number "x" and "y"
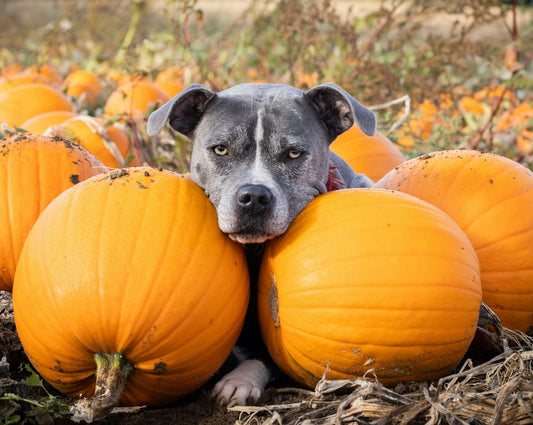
{"x": 138, "y": 7}
{"x": 112, "y": 371}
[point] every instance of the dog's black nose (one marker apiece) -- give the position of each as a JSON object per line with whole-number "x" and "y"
{"x": 254, "y": 197}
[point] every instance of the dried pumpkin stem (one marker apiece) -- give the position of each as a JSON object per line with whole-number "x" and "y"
{"x": 112, "y": 371}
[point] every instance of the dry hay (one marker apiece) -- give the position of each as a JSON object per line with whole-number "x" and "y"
{"x": 497, "y": 391}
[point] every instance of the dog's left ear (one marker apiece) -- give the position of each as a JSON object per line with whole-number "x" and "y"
{"x": 339, "y": 110}
{"x": 183, "y": 111}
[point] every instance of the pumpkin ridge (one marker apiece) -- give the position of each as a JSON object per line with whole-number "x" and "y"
{"x": 147, "y": 354}
{"x": 489, "y": 208}
{"x": 369, "y": 344}
{"x": 69, "y": 219}
{"x": 490, "y": 244}
{"x": 125, "y": 346}
{"x": 349, "y": 373}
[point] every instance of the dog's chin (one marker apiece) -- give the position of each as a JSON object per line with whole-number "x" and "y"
{"x": 250, "y": 238}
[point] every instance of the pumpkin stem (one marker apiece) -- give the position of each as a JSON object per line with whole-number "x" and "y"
{"x": 112, "y": 371}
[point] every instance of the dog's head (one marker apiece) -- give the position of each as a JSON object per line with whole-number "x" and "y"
{"x": 261, "y": 151}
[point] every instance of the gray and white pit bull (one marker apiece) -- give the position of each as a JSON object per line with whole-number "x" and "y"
{"x": 261, "y": 154}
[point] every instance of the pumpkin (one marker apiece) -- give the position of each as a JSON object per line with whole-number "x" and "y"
{"x": 40, "y": 123}
{"x": 7, "y": 83}
{"x": 33, "y": 171}
{"x": 46, "y": 71}
{"x": 373, "y": 156}
{"x": 369, "y": 281}
{"x": 19, "y": 104}
{"x": 109, "y": 143}
{"x": 129, "y": 270}
{"x": 170, "y": 80}
{"x": 490, "y": 197}
{"x": 134, "y": 99}
{"x": 83, "y": 84}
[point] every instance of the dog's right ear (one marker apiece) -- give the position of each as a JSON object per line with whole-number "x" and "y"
{"x": 183, "y": 112}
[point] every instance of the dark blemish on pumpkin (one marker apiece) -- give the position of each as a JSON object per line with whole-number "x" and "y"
{"x": 142, "y": 186}
{"x": 58, "y": 367}
{"x": 75, "y": 162}
{"x": 491, "y": 181}
{"x": 20, "y": 138}
{"x": 147, "y": 174}
{"x": 426, "y": 156}
{"x": 274, "y": 302}
{"x": 160, "y": 368}
{"x": 118, "y": 174}
{"x": 74, "y": 178}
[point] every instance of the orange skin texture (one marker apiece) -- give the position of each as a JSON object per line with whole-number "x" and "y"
{"x": 490, "y": 197}
{"x": 373, "y": 156}
{"x": 40, "y": 123}
{"x": 369, "y": 279}
{"x": 92, "y": 134}
{"x": 33, "y": 171}
{"x": 20, "y": 103}
{"x": 132, "y": 262}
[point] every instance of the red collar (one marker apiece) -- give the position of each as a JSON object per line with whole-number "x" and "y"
{"x": 333, "y": 183}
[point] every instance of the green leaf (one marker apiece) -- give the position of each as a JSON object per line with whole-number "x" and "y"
{"x": 34, "y": 380}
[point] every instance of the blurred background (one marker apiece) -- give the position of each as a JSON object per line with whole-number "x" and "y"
{"x": 442, "y": 64}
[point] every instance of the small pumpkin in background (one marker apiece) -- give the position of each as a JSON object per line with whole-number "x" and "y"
{"x": 134, "y": 100}
{"x": 491, "y": 198}
{"x": 7, "y": 83}
{"x": 84, "y": 85}
{"x": 371, "y": 155}
{"x": 40, "y": 123}
{"x": 33, "y": 171}
{"x": 45, "y": 71}
{"x": 170, "y": 80}
{"x": 19, "y": 104}
{"x": 132, "y": 276}
{"x": 369, "y": 279}
{"x": 109, "y": 143}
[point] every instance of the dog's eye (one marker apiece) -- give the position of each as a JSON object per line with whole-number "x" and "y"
{"x": 293, "y": 154}
{"x": 220, "y": 150}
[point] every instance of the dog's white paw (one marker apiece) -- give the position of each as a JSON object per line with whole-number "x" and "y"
{"x": 246, "y": 382}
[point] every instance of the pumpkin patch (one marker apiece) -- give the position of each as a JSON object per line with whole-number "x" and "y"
{"x": 368, "y": 281}
{"x": 132, "y": 276}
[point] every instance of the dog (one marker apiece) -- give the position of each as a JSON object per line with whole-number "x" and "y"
{"x": 261, "y": 154}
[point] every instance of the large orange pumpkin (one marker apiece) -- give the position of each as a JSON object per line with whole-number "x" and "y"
{"x": 134, "y": 99}
{"x": 491, "y": 198}
{"x": 33, "y": 171}
{"x": 373, "y": 156}
{"x": 369, "y": 279}
{"x": 109, "y": 143}
{"x": 130, "y": 268}
{"x": 19, "y": 104}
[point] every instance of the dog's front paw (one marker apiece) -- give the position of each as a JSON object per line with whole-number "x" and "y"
{"x": 246, "y": 382}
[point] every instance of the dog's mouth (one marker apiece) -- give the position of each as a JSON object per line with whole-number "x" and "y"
{"x": 250, "y": 238}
